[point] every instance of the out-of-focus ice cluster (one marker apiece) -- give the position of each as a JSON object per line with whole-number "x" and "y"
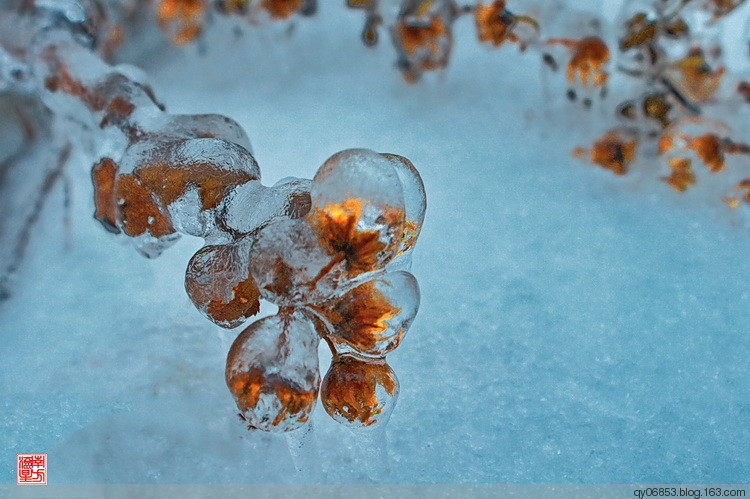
{"x": 665, "y": 58}
{"x": 333, "y": 253}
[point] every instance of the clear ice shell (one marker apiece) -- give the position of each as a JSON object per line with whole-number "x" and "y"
{"x": 358, "y": 208}
{"x": 219, "y": 284}
{"x": 291, "y": 266}
{"x": 272, "y": 371}
{"x": 415, "y": 199}
{"x": 213, "y": 126}
{"x": 372, "y": 318}
{"x": 151, "y": 246}
{"x": 188, "y": 216}
{"x": 253, "y": 205}
{"x": 359, "y": 393}
{"x": 357, "y": 174}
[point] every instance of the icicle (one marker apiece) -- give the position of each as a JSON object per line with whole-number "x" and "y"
{"x": 371, "y": 448}
{"x": 303, "y": 447}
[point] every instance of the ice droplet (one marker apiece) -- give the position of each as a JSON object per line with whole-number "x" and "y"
{"x": 359, "y": 393}
{"x": 272, "y": 372}
{"x": 219, "y": 284}
{"x": 372, "y": 318}
{"x": 358, "y": 208}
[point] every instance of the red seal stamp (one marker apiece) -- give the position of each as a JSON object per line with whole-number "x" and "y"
{"x": 32, "y": 469}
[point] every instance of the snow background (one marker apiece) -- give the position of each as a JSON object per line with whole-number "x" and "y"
{"x": 574, "y": 327}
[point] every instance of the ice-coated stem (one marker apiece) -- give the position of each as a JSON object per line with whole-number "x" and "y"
{"x": 303, "y": 447}
{"x": 371, "y": 446}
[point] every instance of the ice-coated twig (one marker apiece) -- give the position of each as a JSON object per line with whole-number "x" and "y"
{"x": 19, "y": 249}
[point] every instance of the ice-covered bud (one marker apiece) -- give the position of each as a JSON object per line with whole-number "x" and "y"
{"x": 291, "y": 266}
{"x": 358, "y": 209}
{"x": 181, "y": 20}
{"x": 496, "y": 25}
{"x": 359, "y": 393}
{"x": 219, "y": 283}
{"x": 423, "y": 36}
{"x": 372, "y": 318}
{"x": 272, "y": 371}
{"x": 614, "y": 151}
{"x": 588, "y": 60}
{"x": 682, "y": 176}
{"x": 138, "y": 211}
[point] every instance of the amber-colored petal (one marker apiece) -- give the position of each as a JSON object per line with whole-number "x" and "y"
{"x": 426, "y": 46}
{"x": 698, "y": 82}
{"x": 359, "y": 393}
{"x": 613, "y": 151}
{"x": 138, "y": 211}
{"x": 282, "y": 9}
{"x": 682, "y": 176}
{"x": 493, "y": 22}
{"x": 589, "y": 55}
{"x": 708, "y": 148}
{"x": 247, "y": 387}
{"x": 360, "y": 317}
{"x": 336, "y": 225}
{"x": 415, "y": 38}
{"x": 103, "y": 175}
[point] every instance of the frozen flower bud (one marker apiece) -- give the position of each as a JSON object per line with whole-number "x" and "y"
{"x": 614, "y": 151}
{"x": 359, "y": 393}
{"x": 358, "y": 209}
{"x": 372, "y": 318}
{"x": 423, "y": 36}
{"x": 272, "y": 372}
{"x": 219, "y": 283}
{"x": 181, "y": 20}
